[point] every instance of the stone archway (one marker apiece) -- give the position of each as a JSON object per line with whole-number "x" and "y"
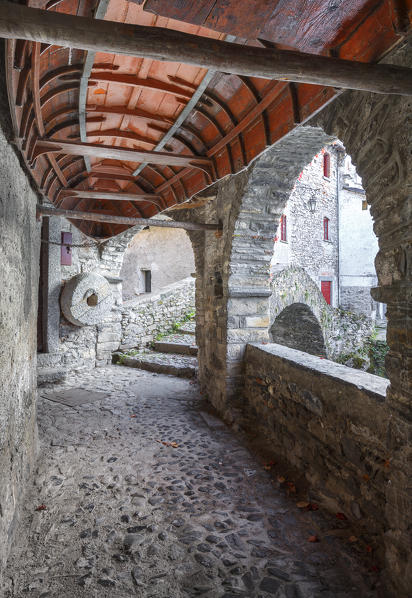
{"x": 298, "y": 328}
{"x": 233, "y": 291}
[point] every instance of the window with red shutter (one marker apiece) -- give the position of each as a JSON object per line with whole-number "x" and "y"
{"x": 326, "y": 229}
{"x": 283, "y": 230}
{"x": 326, "y": 165}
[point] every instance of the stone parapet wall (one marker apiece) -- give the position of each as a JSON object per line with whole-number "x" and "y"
{"x": 145, "y": 318}
{"x": 328, "y": 422}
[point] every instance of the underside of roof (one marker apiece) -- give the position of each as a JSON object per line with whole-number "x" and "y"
{"x": 120, "y": 135}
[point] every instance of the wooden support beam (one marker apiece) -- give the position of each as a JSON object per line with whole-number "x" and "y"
{"x": 111, "y": 176}
{"x": 77, "y": 148}
{"x": 119, "y": 196}
{"x": 96, "y": 217}
{"x": 19, "y": 21}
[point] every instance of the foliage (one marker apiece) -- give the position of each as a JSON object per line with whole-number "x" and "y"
{"x": 377, "y": 352}
{"x": 374, "y": 350}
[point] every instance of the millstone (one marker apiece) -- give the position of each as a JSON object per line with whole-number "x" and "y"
{"x": 86, "y": 299}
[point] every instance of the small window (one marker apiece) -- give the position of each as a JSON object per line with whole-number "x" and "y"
{"x": 326, "y": 165}
{"x": 326, "y": 229}
{"x": 147, "y": 274}
{"x": 283, "y": 230}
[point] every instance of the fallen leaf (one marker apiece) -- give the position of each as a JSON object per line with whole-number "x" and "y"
{"x": 167, "y": 443}
{"x": 387, "y": 463}
{"x": 341, "y": 516}
{"x": 291, "y": 486}
{"x": 133, "y": 415}
{"x": 366, "y": 477}
{"x": 352, "y": 539}
{"x": 41, "y": 508}
{"x": 313, "y": 539}
{"x": 281, "y": 479}
{"x": 303, "y": 504}
{"x": 314, "y": 506}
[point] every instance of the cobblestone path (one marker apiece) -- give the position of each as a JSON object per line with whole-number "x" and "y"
{"x": 115, "y": 513}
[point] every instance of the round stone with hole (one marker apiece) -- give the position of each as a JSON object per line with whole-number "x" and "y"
{"x": 86, "y": 299}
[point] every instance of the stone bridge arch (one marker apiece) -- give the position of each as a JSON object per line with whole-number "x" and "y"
{"x": 294, "y": 287}
{"x": 297, "y": 327}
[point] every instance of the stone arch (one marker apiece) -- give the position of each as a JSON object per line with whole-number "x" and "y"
{"x": 297, "y": 327}
{"x": 233, "y": 287}
{"x": 166, "y": 252}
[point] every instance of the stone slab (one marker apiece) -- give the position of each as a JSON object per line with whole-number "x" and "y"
{"x": 75, "y": 397}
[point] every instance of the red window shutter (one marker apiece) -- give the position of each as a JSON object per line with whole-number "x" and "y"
{"x": 326, "y": 229}
{"x": 283, "y": 232}
{"x": 325, "y": 286}
{"x": 326, "y": 165}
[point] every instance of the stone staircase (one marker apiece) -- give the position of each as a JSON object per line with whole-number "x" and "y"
{"x": 174, "y": 354}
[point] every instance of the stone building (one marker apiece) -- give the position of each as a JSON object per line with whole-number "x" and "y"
{"x": 155, "y": 258}
{"x": 327, "y": 230}
{"x": 202, "y": 108}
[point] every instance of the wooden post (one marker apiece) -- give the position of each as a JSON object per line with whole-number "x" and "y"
{"x": 21, "y": 22}
{"x": 96, "y": 217}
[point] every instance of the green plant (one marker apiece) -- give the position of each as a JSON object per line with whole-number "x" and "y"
{"x": 377, "y": 351}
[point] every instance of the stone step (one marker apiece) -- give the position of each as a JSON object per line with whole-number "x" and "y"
{"x": 183, "y": 366}
{"x": 188, "y": 328}
{"x": 171, "y": 345}
{"x": 47, "y": 376}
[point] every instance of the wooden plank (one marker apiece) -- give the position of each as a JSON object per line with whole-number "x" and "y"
{"x": 133, "y": 81}
{"x": 116, "y": 196}
{"x": 77, "y": 148}
{"x": 98, "y": 217}
{"x": 164, "y": 44}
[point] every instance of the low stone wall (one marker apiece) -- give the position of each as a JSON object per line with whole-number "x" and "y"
{"x": 343, "y": 332}
{"x": 127, "y": 325}
{"x": 327, "y": 421}
{"x": 143, "y": 319}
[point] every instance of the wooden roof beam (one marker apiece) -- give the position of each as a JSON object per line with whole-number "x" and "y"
{"x": 104, "y": 195}
{"x": 96, "y": 217}
{"x": 77, "y": 148}
{"x": 18, "y": 21}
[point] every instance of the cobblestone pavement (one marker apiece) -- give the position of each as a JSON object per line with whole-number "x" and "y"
{"x": 113, "y": 512}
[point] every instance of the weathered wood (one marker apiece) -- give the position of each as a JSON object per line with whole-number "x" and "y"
{"x": 76, "y": 148}
{"x": 119, "y": 196}
{"x": 18, "y": 21}
{"x": 96, "y": 217}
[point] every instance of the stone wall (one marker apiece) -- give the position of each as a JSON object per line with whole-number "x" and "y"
{"x": 316, "y": 415}
{"x": 343, "y": 332}
{"x": 131, "y": 324}
{"x": 146, "y": 317}
{"x": 19, "y": 273}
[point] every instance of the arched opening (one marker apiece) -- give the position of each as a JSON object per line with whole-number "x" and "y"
{"x": 298, "y": 328}
{"x": 154, "y": 259}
